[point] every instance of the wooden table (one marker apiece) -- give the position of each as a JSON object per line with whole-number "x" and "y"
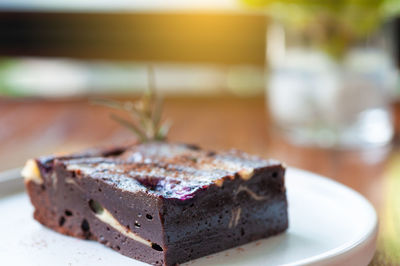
{"x": 30, "y": 128}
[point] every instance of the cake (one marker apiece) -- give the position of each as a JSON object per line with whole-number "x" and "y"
{"x": 158, "y": 202}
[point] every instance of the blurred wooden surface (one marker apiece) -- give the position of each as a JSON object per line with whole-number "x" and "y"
{"x": 29, "y": 128}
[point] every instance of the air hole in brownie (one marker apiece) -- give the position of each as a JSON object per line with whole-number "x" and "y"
{"x": 156, "y": 247}
{"x": 95, "y": 207}
{"x": 137, "y": 224}
{"x": 100, "y": 190}
{"x": 85, "y": 226}
{"x": 275, "y": 174}
{"x": 61, "y": 221}
{"x": 108, "y": 228}
{"x": 43, "y": 187}
{"x": 148, "y": 216}
{"x": 242, "y": 232}
{"x": 118, "y": 248}
{"x": 68, "y": 213}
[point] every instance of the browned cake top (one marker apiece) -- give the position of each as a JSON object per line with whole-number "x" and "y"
{"x": 166, "y": 169}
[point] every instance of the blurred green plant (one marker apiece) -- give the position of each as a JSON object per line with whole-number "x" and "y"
{"x": 388, "y": 241}
{"x": 331, "y": 24}
{"x": 145, "y": 114}
{"x": 5, "y": 88}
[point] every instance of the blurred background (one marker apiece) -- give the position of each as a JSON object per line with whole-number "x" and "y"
{"x": 313, "y": 84}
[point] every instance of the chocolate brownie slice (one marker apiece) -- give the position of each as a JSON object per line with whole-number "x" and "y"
{"x": 161, "y": 203}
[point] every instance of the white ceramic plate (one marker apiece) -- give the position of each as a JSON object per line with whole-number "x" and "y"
{"x": 330, "y": 224}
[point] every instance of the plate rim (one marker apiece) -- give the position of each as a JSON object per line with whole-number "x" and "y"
{"x": 344, "y": 248}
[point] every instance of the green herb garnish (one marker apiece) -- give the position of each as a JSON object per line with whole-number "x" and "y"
{"x": 145, "y": 114}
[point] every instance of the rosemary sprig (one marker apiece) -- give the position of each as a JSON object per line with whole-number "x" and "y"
{"x": 145, "y": 114}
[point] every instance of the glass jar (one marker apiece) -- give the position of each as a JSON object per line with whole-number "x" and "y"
{"x": 328, "y": 88}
